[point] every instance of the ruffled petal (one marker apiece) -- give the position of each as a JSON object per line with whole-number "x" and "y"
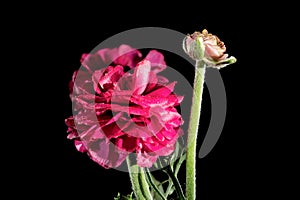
{"x": 109, "y": 77}
{"x": 127, "y": 56}
{"x": 126, "y": 143}
{"x": 81, "y": 83}
{"x": 141, "y": 76}
{"x": 123, "y": 55}
{"x": 149, "y": 101}
{"x": 146, "y": 159}
{"x": 114, "y": 130}
{"x": 158, "y": 63}
{"x": 80, "y": 146}
{"x": 163, "y": 90}
{"x": 106, "y": 154}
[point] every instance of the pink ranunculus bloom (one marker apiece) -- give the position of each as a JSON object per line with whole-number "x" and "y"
{"x": 121, "y": 106}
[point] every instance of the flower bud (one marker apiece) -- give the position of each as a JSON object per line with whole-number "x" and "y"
{"x": 204, "y": 46}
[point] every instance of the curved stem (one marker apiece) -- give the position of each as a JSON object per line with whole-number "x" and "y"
{"x": 153, "y": 185}
{"x": 176, "y": 183}
{"x": 178, "y": 164}
{"x": 169, "y": 188}
{"x": 193, "y": 131}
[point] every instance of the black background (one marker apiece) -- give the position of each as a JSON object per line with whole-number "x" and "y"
{"x": 237, "y": 167}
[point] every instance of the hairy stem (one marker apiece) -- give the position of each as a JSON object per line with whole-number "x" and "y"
{"x": 144, "y": 184}
{"x": 138, "y": 181}
{"x": 193, "y": 131}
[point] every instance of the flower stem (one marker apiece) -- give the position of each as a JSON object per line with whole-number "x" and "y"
{"x": 193, "y": 131}
{"x": 169, "y": 188}
{"x": 139, "y": 184}
{"x": 153, "y": 185}
{"x": 144, "y": 184}
{"x": 176, "y": 183}
{"x": 134, "y": 179}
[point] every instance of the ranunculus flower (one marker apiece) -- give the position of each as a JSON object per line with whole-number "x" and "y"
{"x": 122, "y": 106}
{"x": 208, "y": 48}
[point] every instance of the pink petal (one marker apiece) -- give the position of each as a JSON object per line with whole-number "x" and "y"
{"x": 71, "y": 83}
{"x": 90, "y": 133}
{"x": 166, "y": 150}
{"x": 114, "y": 118}
{"x": 109, "y": 77}
{"x": 80, "y": 146}
{"x": 152, "y": 82}
{"x": 123, "y": 55}
{"x": 113, "y": 130}
{"x": 162, "y": 114}
{"x": 137, "y": 131}
{"x": 122, "y": 97}
{"x": 158, "y": 63}
{"x": 135, "y": 110}
{"x": 72, "y": 132}
{"x": 141, "y": 76}
{"x": 171, "y": 135}
{"x": 138, "y": 119}
{"x": 127, "y": 56}
{"x": 162, "y": 80}
{"x": 81, "y": 83}
{"x": 155, "y": 126}
{"x": 88, "y": 100}
{"x": 146, "y": 160}
{"x": 126, "y": 143}
{"x": 214, "y": 51}
{"x": 97, "y": 75}
{"x": 92, "y": 62}
{"x": 98, "y": 134}
{"x": 125, "y": 82}
{"x": 148, "y": 101}
{"x": 163, "y": 90}
{"x": 151, "y": 145}
{"x": 87, "y": 118}
{"x": 101, "y": 108}
{"x": 70, "y": 121}
{"x": 106, "y": 154}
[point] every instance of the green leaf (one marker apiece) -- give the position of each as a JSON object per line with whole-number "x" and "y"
{"x": 220, "y": 64}
{"x": 158, "y": 193}
{"x": 128, "y": 197}
{"x": 225, "y": 62}
{"x": 118, "y": 197}
{"x": 179, "y": 153}
{"x": 179, "y": 163}
{"x": 176, "y": 183}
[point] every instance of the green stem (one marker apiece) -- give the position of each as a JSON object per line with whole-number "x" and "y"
{"x": 139, "y": 184}
{"x": 153, "y": 185}
{"x": 169, "y": 188}
{"x": 144, "y": 184}
{"x": 178, "y": 165}
{"x": 193, "y": 131}
{"x": 134, "y": 179}
{"x": 176, "y": 183}
{"x": 176, "y": 170}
